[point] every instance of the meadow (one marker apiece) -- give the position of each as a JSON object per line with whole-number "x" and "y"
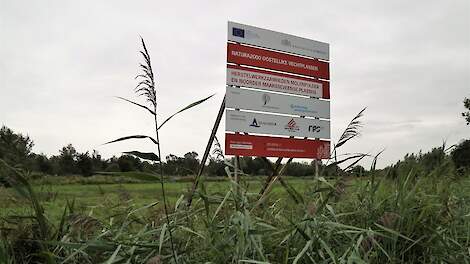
{"x": 407, "y": 219}
{"x": 94, "y": 194}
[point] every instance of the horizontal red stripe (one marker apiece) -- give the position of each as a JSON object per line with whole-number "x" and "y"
{"x": 325, "y": 84}
{"x": 261, "y": 58}
{"x": 263, "y": 146}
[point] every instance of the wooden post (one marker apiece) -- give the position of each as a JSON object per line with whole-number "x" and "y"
{"x": 236, "y": 164}
{"x": 206, "y": 152}
{"x": 316, "y": 168}
{"x": 238, "y": 168}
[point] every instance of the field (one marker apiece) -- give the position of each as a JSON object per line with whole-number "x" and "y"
{"x": 366, "y": 220}
{"x": 92, "y": 198}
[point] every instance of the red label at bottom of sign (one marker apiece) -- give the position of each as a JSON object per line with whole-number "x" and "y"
{"x": 263, "y": 146}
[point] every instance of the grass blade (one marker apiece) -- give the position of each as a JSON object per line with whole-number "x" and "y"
{"x": 221, "y": 205}
{"x": 113, "y": 257}
{"x": 143, "y": 155}
{"x": 132, "y": 137}
{"x": 301, "y": 253}
{"x": 162, "y": 238}
{"x": 329, "y": 251}
{"x": 185, "y": 108}
{"x": 140, "y": 105}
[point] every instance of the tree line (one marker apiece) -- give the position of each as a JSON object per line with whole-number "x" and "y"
{"x": 16, "y": 149}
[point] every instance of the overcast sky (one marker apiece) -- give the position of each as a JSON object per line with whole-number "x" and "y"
{"x": 61, "y": 63}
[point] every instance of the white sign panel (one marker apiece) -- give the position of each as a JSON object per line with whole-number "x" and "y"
{"x": 240, "y": 121}
{"x": 277, "y": 41}
{"x": 276, "y": 82}
{"x": 277, "y": 103}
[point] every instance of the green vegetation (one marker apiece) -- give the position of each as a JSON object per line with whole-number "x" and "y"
{"x": 405, "y": 219}
{"x": 54, "y": 193}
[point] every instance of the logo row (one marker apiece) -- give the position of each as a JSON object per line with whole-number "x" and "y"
{"x": 239, "y": 121}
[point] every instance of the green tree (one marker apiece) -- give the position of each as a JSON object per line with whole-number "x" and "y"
{"x": 259, "y": 167}
{"x": 190, "y": 162}
{"x": 466, "y": 115}
{"x": 111, "y": 165}
{"x": 216, "y": 167}
{"x": 173, "y": 165}
{"x": 248, "y": 165}
{"x": 84, "y": 164}
{"x": 129, "y": 163}
{"x": 330, "y": 170}
{"x": 42, "y": 164}
{"x": 55, "y": 164}
{"x": 67, "y": 160}
{"x": 97, "y": 163}
{"x": 299, "y": 169}
{"x": 358, "y": 171}
{"x": 461, "y": 156}
{"x": 186, "y": 165}
{"x": 15, "y": 148}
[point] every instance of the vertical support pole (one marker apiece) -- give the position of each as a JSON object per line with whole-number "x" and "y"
{"x": 206, "y": 152}
{"x": 237, "y": 158}
{"x": 237, "y": 169}
{"x": 316, "y": 160}
{"x": 316, "y": 168}
{"x": 236, "y": 175}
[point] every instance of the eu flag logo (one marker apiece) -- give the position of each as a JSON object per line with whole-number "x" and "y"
{"x": 238, "y": 32}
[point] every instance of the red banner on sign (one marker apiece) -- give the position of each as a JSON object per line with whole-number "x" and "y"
{"x": 263, "y": 146}
{"x": 251, "y": 56}
{"x": 266, "y": 80}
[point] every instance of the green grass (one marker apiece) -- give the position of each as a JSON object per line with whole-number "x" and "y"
{"x": 91, "y": 198}
{"x": 367, "y": 220}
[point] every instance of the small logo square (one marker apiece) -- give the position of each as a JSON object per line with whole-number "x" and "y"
{"x": 238, "y": 32}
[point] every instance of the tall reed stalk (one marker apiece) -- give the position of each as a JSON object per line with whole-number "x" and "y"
{"x": 147, "y": 88}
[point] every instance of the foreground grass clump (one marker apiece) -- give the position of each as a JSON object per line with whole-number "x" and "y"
{"x": 374, "y": 220}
